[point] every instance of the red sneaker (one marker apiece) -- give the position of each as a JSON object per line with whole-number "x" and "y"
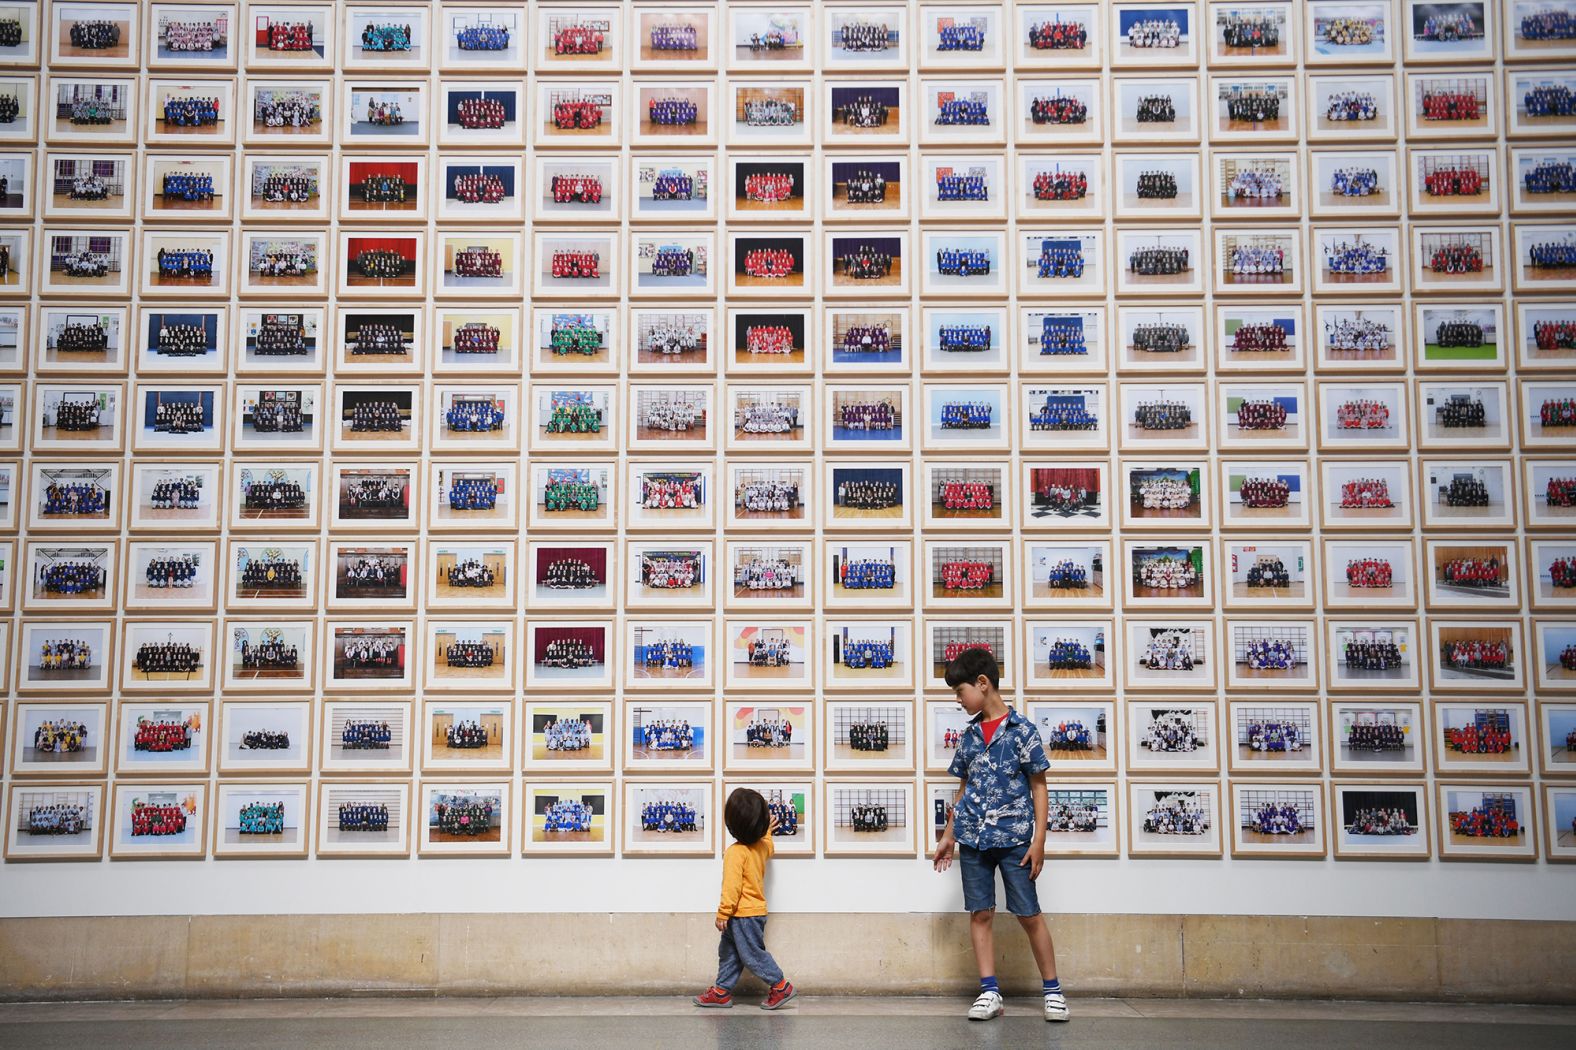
{"x": 720, "y": 998}
{"x": 778, "y": 996}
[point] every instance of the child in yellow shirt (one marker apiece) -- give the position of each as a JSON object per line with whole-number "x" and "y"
{"x": 741, "y": 917}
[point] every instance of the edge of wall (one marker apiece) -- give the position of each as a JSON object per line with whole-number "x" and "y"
{"x": 1206, "y": 956}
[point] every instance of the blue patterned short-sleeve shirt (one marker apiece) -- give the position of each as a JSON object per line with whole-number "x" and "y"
{"x": 996, "y": 809}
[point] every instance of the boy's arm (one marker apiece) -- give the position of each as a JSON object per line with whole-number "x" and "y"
{"x": 1034, "y": 859}
{"x": 732, "y": 885}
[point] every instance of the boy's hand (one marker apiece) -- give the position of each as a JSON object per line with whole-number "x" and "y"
{"x": 722, "y": 925}
{"x": 1034, "y": 859}
{"x": 944, "y": 850}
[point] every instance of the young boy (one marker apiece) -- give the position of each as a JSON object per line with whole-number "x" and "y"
{"x": 998, "y": 822}
{"x": 741, "y": 917}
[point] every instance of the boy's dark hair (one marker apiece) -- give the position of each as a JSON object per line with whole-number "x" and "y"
{"x": 968, "y": 665}
{"x": 746, "y": 816}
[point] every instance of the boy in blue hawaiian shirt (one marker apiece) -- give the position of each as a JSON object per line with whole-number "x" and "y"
{"x": 998, "y": 822}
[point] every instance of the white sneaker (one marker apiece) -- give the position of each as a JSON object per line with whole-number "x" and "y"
{"x": 987, "y": 1006}
{"x": 1055, "y": 1006}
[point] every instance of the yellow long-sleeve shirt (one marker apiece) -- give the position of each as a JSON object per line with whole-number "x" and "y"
{"x": 744, "y": 878}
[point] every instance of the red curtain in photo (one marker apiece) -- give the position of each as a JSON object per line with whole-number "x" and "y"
{"x": 405, "y": 246}
{"x": 596, "y": 557}
{"x": 1044, "y": 479}
{"x": 595, "y": 637}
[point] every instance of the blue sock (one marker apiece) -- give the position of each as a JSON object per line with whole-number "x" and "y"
{"x": 988, "y": 984}
{"x": 1053, "y": 985}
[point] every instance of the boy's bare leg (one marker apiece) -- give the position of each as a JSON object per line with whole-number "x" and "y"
{"x": 983, "y": 935}
{"x": 1039, "y": 942}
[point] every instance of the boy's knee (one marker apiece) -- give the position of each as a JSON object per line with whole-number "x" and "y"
{"x": 984, "y": 915}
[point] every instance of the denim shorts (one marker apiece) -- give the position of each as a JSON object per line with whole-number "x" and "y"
{"x": 979, "y": 879}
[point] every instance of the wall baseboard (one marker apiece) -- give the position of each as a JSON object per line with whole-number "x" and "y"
{"x": 1174, "y": 956}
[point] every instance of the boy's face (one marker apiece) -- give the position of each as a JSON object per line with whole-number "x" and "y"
{"x": 972, "y": 694}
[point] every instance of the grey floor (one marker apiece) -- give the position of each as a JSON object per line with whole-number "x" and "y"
{"x": 868, "y": 1024}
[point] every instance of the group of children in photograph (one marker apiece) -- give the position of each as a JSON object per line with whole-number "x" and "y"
{"x": 376, "y": 417}
{"x": 961, "y": 262}
{"x": 94, "y": 35}
{"x": 193, "y": 36}
{"x": 1273, "y": 819}
{"x": 175, "y": 658}
{"x": 465, "y": 736}
{"x": 1171, "y": 732}
{"x": 578, "y": 40}
{"x": 868, "y": 574}
{"x": 479, "y": 574}
{"x": 286, "y": 109}
{"x": 179, "y": 417}
{"x": 765, "y": 574}
{"x": 476, "y": 416}
{"x": 478, "y": 337}
{"x": 276, "y": 416}
{"x": 281, "y": 335}
{"x": 973, "y": 111}
{"x": 768, "y": 652}
{"x": 1381, "y": 821}
{"x": 382, "y": 264}
{"x": 470, "y": 654}
{"x": 1068, "y": 654}
{"x": 1484, "y": 736}
{"x": 381, "y": 655}
{"x": 963, "y": 575}
{"x": 195, "y": 264}
{"x": 567, "y": 734}
{"x": 767, "y": 417}
{"x": 60, "y": 736}
{"x": 577, "y": 114}
{"x": 1371, "y": 655}
{"x": 58, "y": 818}
{"x": 481, "y": 114}
{"x": 1365, "y": 494}
{"x": 151, "y": 820}
{"x": 673, "y": 112}
{"x": 1163, "y": 493}
{"x": 1245, "y": 260}
{"x": 1155, "y": 109}
{"x": 861, "y": 35}
{"x": 181, "y": 339}
{"x": 265, "y": 740}
{"x": 262, "y": 818}
{"x": 1176, "y": 816}
{"x": 1360, "y": 257}
{"x": 1162, "y": 415}
{"x": 1268, "y": 572}
{"x": 864, "y": 111}
{"x": 64, "y": 654}
{"x": 561, "y": 495}
{"x": 479, "y": 494}
{"x": 1253, "y": 106}
{"x": 769, "y": 732}
{"x": 869, "y": 736}
{"x": 770, "y": 113}
{"x": 269, "y": 656}
{"x": 1161, "y": 337}
{"x": 363, "y": 816}
{"x": 960, "y": 36}
{"x": 290, "y": 36}
{"x": 1265, "y": 493}
{"x": 967, "y": 495}
{"x": 161, "y": 737}
{"x": 1069, "y": 734}
{"x": 568, "y": 653}
{"x": 672, "y": 817}
{"x": 1254, "y": 337}
{"x": 74, "y": 578}
{"x": 483, "y": 36}
{"x": 1266, "y": 414}
{"x": 1060, "y": 109}
{"x": 673, "y": 36}
{"x": 567, "y": 814}
{"x": 1057, "y": 35}
{"x": 770, "y": 262}
{"x": 479, "y": 261}
{"x": 1165, "y": 572}
{"x": 1466, "y": 492}
{"x": 1169, "y": 262}
{"x": 1376, "y": 737}
{"x": 867, "y": 818}
{"x": 76, "y": 337}
{"x": 191, "y": 112}
{"x": 867, "y": 654}
{"x": 1362, "y": 414}
{"x": 1272, "y": 654}
{"x": 377, "y": 338}
{"x": 1479, "y": 822}
{"x": 386, "y": 37}
{"x": 73, "y": 415}
{"x": 672, "y": 261}
{"x": 366, "y": 736}
{"x": 668, "y": 653}
{"x": 1475, "y": 654}
{"x": 1169, "y": 651}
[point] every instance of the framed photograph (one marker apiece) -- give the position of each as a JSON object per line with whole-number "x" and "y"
{"x": 479, "y": 574}
{"x": 1169, "y": 654}
{"x": 873, "y": 37}
{"x": 1553, "y": 584}
{"x": 875, "y": 574}
{"x": 1060, "y": 111}
{"x": 871, "y": 495}
{"x": 869, "y": 736}
{"x": 1357, "y": 261}
{"x": 1275, "y": 737}
{"x": 1250, "y": 185}
{"x": 89, "y": 262}
{"x": 267, "y": 575}
{"x": 170, "y": 656}
{"x": 1369, "y": 494}
{"x": 680, "y": 37}
{"x": 1473, "y": 574}
{"x": 187, "y": 113}
{"x": 960, "y": 37}
{"x": 1560, "y": 805}
{"x": 665, "y": 342}
{"x": 869, "y": 818}
{"x": 1464, "y": 415}
{"x": 1451, "y": 105}
{"x": 1555, "y": 655}
{"x": 14, "y": 338}
{"x": 671, "y": 495}
{"x": 1058, "y": 36}
{"x": 264, "y": 737}
{"x": 1355, "y": 108}
{"x": 480, "y": 39}
{"x": 1272, "y": 654}
{"x": 474, "y": 113}
{"x": 1168, "y": 576}
{"x": 90, "y": 185}
{"x": 1533, "y": 103}
{"x": 90, "y": 340}
{"x": 960, "y": 186}
{"x": 685, "y": 112}
{"x": 1069, "y": 655}
{"x": 465, "y": 818}
{"x": 1532, "y": 30}
{"x": 1550, "y": 487}
{"x": 1072, "y": 496}
{"x": 674, "y": 264}
{"x": 1467, "y": 494}
{"x": 191, "y": 342}
{"x": 587, "y": 188}
{"x": 473, "y": 655}
{"x": 1066, "y": 186}
{"x": 968, "y": 574}
{"x": 1356, "y": 184}
{"x": 1174, "y": 819}
{"x": 65, "y": 497}
{"x": 1454, "y": 182}
{"x": 24, "y": 99}
{"x": 388, "y": 38}
{"x": 379, "y": 342}
{"x": 1460, "y": 337}
{"x": 1485, "y": 738}
{"x": 1277, "y": 821}
{"x": 188, "y": 496}
{"x": 1078, "y": 735}
{"x": 386, "y": 188}
{"x": 169, "y": 575}
{"x": 375, "y": 496}
{"x": 1448, "y": 34}
{"x": 162, "y": 737}
{"x": 945, "y": 640}
{"x": 1174, "y": 416}
{"x": 267, "y": 655}
{"x": 1545, "y": 259}
{"x": 376, "y": 419}
{"x": 764, "y": 113}
{"x": 866, "y": 341}
{"x": 1161, "y": 495}
{"x": 65, "y": 579}
{"x": 1157, "y": 262}
{"x": 668, "y": 655}
{"x": 1262, "y": 34}
{"x": 1539, "y": 341}
{"x": 481, "y": 264}
{"x": 571, "y": 497}
{"x": 960, "y": 418}
{"x": 1269, "y": 575}
{"x": 94, "y": 35}
{"x": 1487, "y": 822}
{"x": 476, "y": 418}
{"x": 664, "y": 575}
{"x": 1557, "y": 734}
{"x": 292, "y": 112}
{"x": 1363, "y": 416}
{"x": 669, "y": 736}
{"x": 365, "y": 819}
{"x": 192, "y": 37}
{"x": 1477, "y": 655}
{"x": 1377, "y": 655}
{"x": 190, "y": 264}
{"x": 1067, "y": 575}
{"x": 1345, "y": 33}
{"x": 101, "y": 110}
{"x": 388, "y": 112}
{"x": 589, "y": 36}
{"x": 1147, "y": 37}
{"x": 1161, "y": 339}
{"x": 1058, "y": 263}
{"x": 178, "y": 420}
{"x": 289, "y": 36}
{"x": 945, "y": 722}
{"x": 780, "y": 38}
{"x": 261, "y": 820}
{"x": 285, "y": 342}
{"x": 55, "y": 822}
{"x": 366, "y": 736}
{"x": 1376, "y": 737}
{"x": 769, "y": 574}
{"x": 159, "y": 821}
{"x": 369, "y": 655}
{"x": 569, "y": 736}
{"x": 61, "y": 739}
{"x": 1178, "y": 737}
{"x": 567, "y": 819}
{"x": 478, "y": 340}
{"x": 473, "y": 495}
{"x": 872, "y": 263}
{"x": 59, "y": 656}
{"x": 869, "y": 654}
{"x": 864, "y": 111}
{"x": 963, "y": 111}
{"x": 282, "y": 494}
{"x": 1537, "y": 181}
{"x": 669, "y": 818}
{"x": 1155, "y": 109}
{"x": 1262, "y": 415}
{"x": 1253, "y": 109}
{"x": 768, "y": 736}
{"x": 1063, "y": 417}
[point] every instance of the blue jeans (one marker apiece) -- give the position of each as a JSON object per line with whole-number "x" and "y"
{"x": 979, "y": 879}
{"x": 743, "y": 947}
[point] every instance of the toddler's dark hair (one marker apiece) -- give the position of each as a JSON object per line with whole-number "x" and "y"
{"x": 746, "y": 816}
{"x": 970, "y": 664}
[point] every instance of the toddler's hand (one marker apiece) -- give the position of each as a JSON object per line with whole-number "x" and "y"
{"x": 771, "y": 829}
{"x": 722, "y": 925}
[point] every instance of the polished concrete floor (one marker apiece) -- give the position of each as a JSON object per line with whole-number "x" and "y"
{"x": 811, "y": 1022}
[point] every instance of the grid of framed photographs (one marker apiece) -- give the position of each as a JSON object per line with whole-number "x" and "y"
{"x": 495, "y": 429}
